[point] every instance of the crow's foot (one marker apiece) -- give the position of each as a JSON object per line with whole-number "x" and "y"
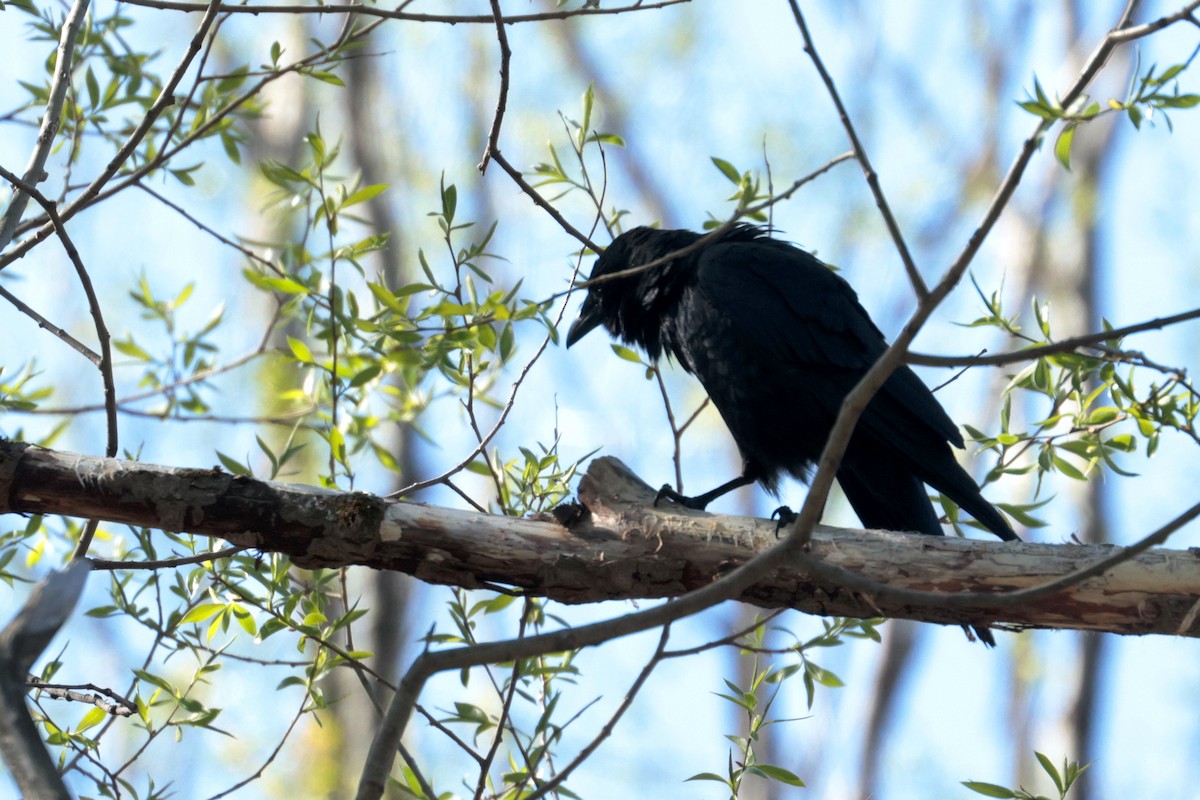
{"x": 667, "y": 493}
{"x": 786, "y": 517}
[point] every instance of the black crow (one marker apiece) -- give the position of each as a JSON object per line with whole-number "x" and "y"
{"x": 778, "y": 340}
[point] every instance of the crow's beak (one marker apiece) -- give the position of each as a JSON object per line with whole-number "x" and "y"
{"x": 589, "y": 317}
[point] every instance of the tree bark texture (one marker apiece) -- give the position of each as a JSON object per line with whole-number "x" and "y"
{"x": 612, "y": 544}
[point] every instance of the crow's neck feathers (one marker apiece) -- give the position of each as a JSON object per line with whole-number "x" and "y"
{"x": 641, "y": 309}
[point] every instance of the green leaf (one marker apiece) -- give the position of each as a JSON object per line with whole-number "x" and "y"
{"x": 365, "y": 375}
{"x": 823, "y": 676}
{"x": 202, "y": 612}
{"x": 989, "y": 789}
{"x": 300, "y": 351}
{"x": 91, "y": 720}
{"x": 708, "y": 776}
{"x": 1021, "y": 513}
{"x": 130, "y": 348}
{"x": 1069, "y": 469}
{"x": 364, "y": 194}
{"x": 589, "y": 98}
{"x": 1103, "y": 416}
{"x": 1048, "y": 766}
{"x": 234, "y": 466}
{"x": 93, "y": 87}
{"x": 728, "y": 170}
{"x": 626, "y": 353}
{"x": 1167, "y": 75}
{"x": 153, "y": 679}
{"x": 1037, "y": 109}
{"x": 285, "y": 285}
{"x": 324, "y": 76}
{"x": 233, "y": 80}
{"x": 449, "y": 202}
{"x": 778, "y": 774}
{"x": 1135, "y": 116}
{"x": 1062, "y": 146}
{"x": 606, "y": 138}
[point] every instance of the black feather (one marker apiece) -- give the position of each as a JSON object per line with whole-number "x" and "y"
{"x": 778, "y": 340}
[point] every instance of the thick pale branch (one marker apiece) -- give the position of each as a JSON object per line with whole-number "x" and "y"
{"x": 614, "y": 545}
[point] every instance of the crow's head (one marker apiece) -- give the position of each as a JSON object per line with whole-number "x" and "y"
{"x": 633, "y": 307}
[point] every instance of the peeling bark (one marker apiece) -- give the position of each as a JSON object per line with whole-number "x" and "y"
{"x": 614, "y": 544}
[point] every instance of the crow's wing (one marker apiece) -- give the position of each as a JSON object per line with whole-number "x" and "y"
{"x": 789, "y": 308}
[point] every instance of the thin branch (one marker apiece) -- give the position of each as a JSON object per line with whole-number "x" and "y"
{"x": 506, "y": 706}
{"x": 508, "y": 406}
{"x": 270, "y": 759}
{"x": 493, "y": 140}
{"x": 165, "y": 99}
{"x": 102, "y": 336}
{"x": 609, "y": 726}
{"x": 385, "y": 13}
{"x": 428, "y": 664}
{"x": 165, "y": 563}
{"x": 439, "y": 726}
{"x": 105, "y": 363}
{"x": 676, "y": 432}
{"x": 860, "y": 154}
{"x": 287, "y": 622}
{"x": 1141, "y": 31}
{"x": 197, "y": 377}
{"x": 183, "y": 212}
{"x": 1063, "y": 346}
{"x": 46, "y": 324}
{"x": 715, "y": 233}
{"x": 204, "y": 130}
{"x": 117, "y": 707}
{"x": 35, "y": 172}
{"x": 540, "y": 201}
{"x": 856, "y": 402}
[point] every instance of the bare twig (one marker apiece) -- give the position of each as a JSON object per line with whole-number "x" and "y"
{"x": 388, "y": 13}
{"x": 165, "y": 563}
{"x": 118, "y": 706}
{"x": 540, "y": 201}
{"x": 606, "y": 730}
{"x": 270, "y": 759}
{"x": 1064, "y": 346}
{"x": 71, "y": 341}
{"x": 493, "y": 140}
{"x": 51, "y": 119}
{"x": 505, "y": 707}
{"x": 860, "y": 154}
{"x": 106, "y": 363}
{"x": 165, "y": 99}
{"x": 856, "y": 402}
{"x": 717, "y": 232}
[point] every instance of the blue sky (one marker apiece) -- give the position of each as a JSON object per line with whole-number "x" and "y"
{"x": 698, "y": 81}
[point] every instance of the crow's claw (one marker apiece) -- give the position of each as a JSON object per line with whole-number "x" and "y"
{"x": 667, "y": 493}
{"x": 786, "y": 517}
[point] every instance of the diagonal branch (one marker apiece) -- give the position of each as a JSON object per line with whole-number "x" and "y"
{"x": 51, "y": 119}
{"x": 856, "y": 402}
{"x": 860, "y": 154}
